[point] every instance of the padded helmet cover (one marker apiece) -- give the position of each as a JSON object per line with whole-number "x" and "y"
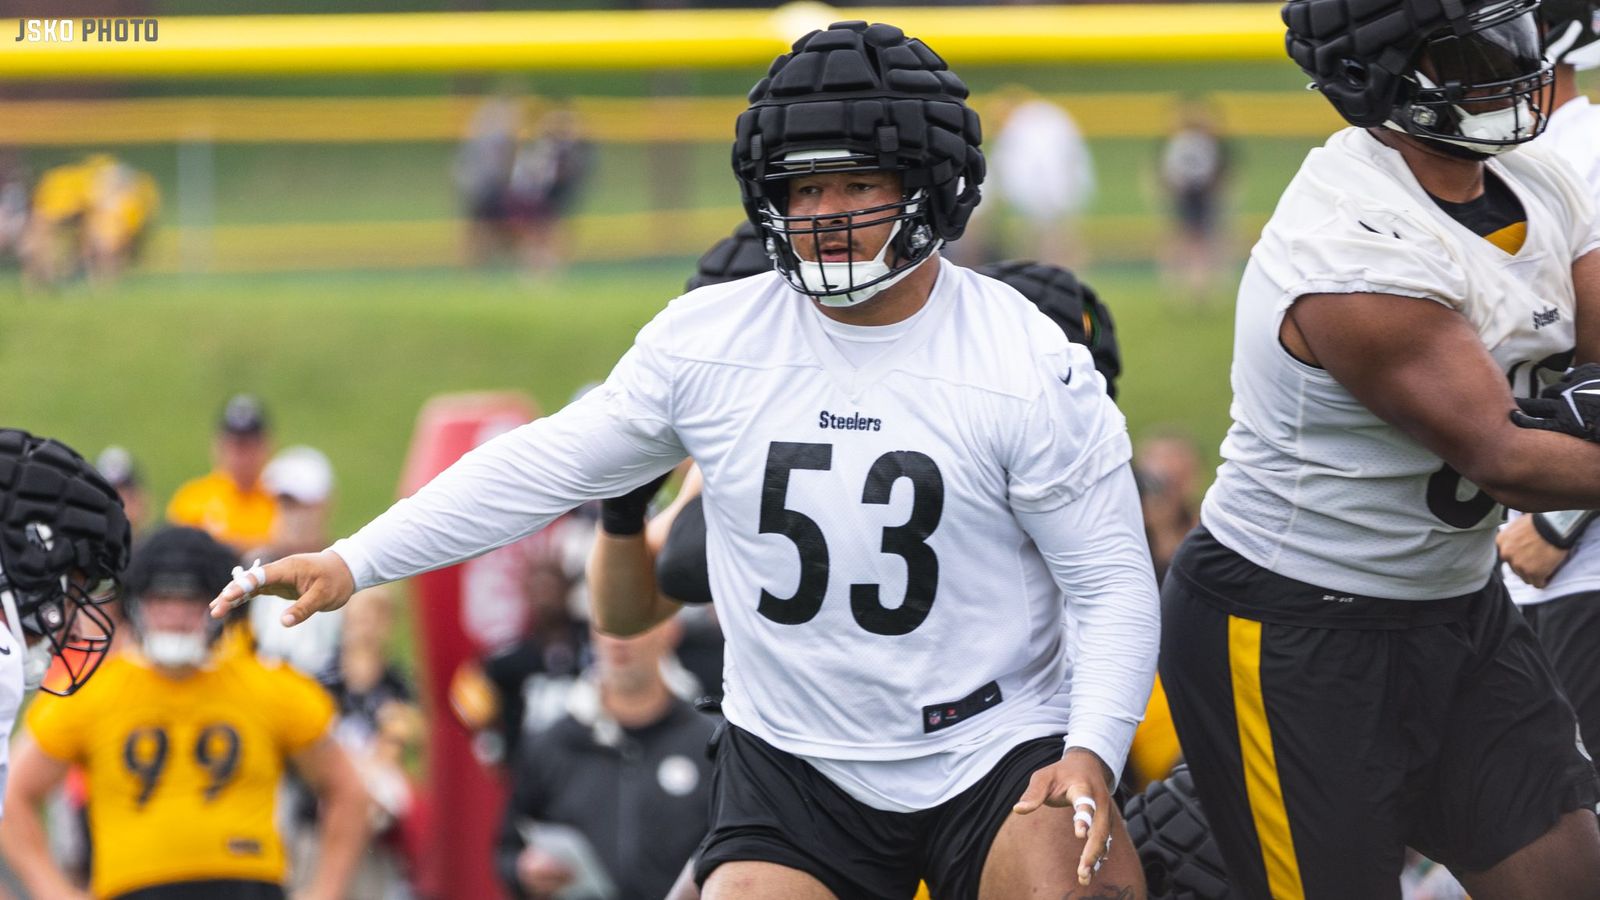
{"x": 46, "y": 483}
{"x": 1361, "y": 53}
{"x": 873, "y": 91}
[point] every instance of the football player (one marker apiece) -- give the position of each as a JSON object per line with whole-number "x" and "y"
{"x": 669, "y": 552}
{"x": 183, "y": 744}
{"x": 63, "y": 546}
{"x": 1554, "y": 558}
{"x": 1346, "y": 672}
{"x": 895, "y": 514}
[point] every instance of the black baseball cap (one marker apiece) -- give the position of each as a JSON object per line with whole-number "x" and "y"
{"x": 244, "y": 416}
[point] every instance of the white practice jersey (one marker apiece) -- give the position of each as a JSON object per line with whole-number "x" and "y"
{"x": 1316, "y": 487}
{"x": 888, "y": 545}
{"x": 1574, "y": 135}
{"x": 11, "y": 692}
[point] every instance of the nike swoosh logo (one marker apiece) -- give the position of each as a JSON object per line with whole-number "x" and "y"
{"x": 5, "y": 650}
{"x": 1067, "y": 379}
{"x": 989, "y": 699}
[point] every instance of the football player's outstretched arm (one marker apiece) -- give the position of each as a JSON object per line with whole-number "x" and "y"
{"x": 1421, "y": 367}
{"x": 34, "y": 777}
{"x": 343, "y": 808}
{"x": 609, "y": 441}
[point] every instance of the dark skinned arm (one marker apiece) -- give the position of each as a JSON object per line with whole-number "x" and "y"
{"x": 1422, "y": 368}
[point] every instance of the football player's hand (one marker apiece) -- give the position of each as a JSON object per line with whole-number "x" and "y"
{"x": 1533, "y": 558}
{"x": 1570, "y": 406}
{"x": 1080, "y": 781}
{"x": 542, "y": 874}
{"x": 316, "y": 582}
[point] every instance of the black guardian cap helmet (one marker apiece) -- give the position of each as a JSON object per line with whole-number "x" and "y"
{"x": 63, "y": 546}
{"x": 859, "y": 98}
{"x": 1470, "y": 75}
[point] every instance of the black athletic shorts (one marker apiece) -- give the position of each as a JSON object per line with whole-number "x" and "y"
{"x": 1569, "y": 629}
{"x": 771, "y": 806}
{"x": 1326, "y": 731}
{"x": 211, "y": 889}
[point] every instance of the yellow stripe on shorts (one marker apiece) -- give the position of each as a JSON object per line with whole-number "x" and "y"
{"x": 1260, "y": 763}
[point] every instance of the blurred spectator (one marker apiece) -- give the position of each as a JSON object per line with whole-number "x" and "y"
{"x": 52, "y": 245}
{"x": 483, "y": 174}
{"x": 1167, "y": 467}
{"x": 122, "y": 205}
{"x": 183, "y": 743}
{"x": 230, "y": 502}
{"x": 611, "y": 800}
{"x": 1195, "y": 162}
{"x": 117, "y": 466}
{"x": 522, "y": 688}
{"x": 300, "y": 481}
{"x": 546, "y": 178}
{"x": 90, "y": 216}
{"x": 1042, "y": 173}
{"x": 379, "y": 726}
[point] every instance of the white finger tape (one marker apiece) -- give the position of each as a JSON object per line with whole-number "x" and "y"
{"x": 1084, "y": 816}
{"x": 248, "y": 580}
{"x": 1085, "y": 800}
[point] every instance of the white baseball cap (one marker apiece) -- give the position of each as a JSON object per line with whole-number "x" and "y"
{"x": 300, "y": 473}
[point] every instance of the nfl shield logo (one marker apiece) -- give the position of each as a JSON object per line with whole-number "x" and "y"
{"x": 934, "y": 718}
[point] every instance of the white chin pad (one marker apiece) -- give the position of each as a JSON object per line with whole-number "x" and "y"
{"x": 176, "y": 649}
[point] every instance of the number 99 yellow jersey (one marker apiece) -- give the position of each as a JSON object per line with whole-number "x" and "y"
{"x": 183, "y": 773}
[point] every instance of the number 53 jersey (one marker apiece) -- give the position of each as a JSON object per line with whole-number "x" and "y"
{"x": 863, "y": 545}
{"x": 183, "y": 773}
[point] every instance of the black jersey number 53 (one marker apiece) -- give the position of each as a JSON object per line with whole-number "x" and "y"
{"x": 908, "y": 541}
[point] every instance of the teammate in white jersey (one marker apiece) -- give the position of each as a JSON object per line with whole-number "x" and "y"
{"x": 1346, "y": 672}
{"x": 1553, "y": 559}
{"x": 922, "y": 526}
{"x": 63, "y": 545}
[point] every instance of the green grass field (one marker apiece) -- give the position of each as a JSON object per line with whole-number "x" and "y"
{"x": 346, "y": 361}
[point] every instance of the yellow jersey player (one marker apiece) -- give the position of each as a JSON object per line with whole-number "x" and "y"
{"x": 183, "y": 744}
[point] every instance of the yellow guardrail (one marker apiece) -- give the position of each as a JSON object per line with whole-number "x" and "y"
{"x": 191, "y": 46}
{"x": 625, "y": 120}
{"x": 594, "y": 238}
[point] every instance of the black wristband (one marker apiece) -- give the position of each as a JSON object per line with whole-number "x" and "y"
{"x": 1563, "y": 529}
{"x": 624, "y": 516}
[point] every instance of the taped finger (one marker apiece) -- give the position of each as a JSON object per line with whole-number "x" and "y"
{"x": 248, "y": 582}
